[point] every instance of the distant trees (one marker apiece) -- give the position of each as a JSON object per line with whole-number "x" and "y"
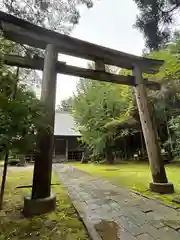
{"x": 95, "y": 105}
{"x": 65, "y": 105}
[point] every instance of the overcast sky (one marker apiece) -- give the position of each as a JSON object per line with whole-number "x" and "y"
{"x": 108, "y": 23}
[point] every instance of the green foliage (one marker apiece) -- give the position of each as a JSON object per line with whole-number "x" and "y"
{"x": 95, "y": 106}
{"x": 25, "y": 76}
{"x": 20, "y": 118}
{"x": 171, "y": 67}
{"x": 21, "y": 113}
{"x": 166, "y": 101}
{"x": 154, "y": 20}
{"x": 174, "y": 125}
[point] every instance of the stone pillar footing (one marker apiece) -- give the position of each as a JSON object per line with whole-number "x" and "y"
{"x": 163, "y": 188}
{"x": 35, "y": 207}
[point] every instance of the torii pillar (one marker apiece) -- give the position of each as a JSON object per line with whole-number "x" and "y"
{"x": 42, "y": 201}
{"x": 160, "y": 182}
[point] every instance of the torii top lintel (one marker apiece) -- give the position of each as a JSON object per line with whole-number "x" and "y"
{"x": 23, "y": 32}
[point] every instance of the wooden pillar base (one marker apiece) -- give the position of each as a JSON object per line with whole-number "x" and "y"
{"x": 35, "y": 207}
{"x": 163, "y": 188}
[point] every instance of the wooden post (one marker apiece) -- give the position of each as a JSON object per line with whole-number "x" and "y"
{"x": 99, "y": 65}
{"x": 150, "y": 134}
{"x": 66, "y": 150}
{"x": 43, "y": 158}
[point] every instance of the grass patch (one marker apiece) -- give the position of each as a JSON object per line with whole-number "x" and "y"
{"x": 1, "y": 163}
{"x": 63, "y": 224}
{"x": 135, "y": 176}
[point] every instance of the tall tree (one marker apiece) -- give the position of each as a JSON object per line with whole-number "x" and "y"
{"x": 154, "y": 20}
{"x": 95, "y": 105}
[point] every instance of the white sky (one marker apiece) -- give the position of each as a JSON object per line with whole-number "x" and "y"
{"x": 108, "y": 23}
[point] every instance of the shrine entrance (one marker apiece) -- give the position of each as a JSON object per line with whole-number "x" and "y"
{"x": 23, "y": 32}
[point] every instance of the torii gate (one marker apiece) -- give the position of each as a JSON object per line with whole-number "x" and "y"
{"x": 24, "y": 32}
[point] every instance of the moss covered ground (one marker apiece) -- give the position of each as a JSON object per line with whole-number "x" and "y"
{"x": 63, "y": 224}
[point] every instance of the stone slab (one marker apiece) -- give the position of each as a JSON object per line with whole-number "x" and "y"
{"x": 102, "y": 206}
{"x": 145, "y": 236}
{"x": 173, "y": 224}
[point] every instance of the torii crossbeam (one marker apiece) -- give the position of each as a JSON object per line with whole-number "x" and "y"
{"x": 24, "y": 32}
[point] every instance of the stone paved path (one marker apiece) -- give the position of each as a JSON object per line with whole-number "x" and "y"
{"x": 111, "y": 213}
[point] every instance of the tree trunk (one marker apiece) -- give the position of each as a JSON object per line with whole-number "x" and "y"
{"x": 109, "y": 156}
{"x": 4, "y": 178}
{"x": 125, "y": 150}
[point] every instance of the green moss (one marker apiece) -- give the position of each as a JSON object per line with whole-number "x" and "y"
{"x": 136, "y": 176}
{"x": 63, "y": 224}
